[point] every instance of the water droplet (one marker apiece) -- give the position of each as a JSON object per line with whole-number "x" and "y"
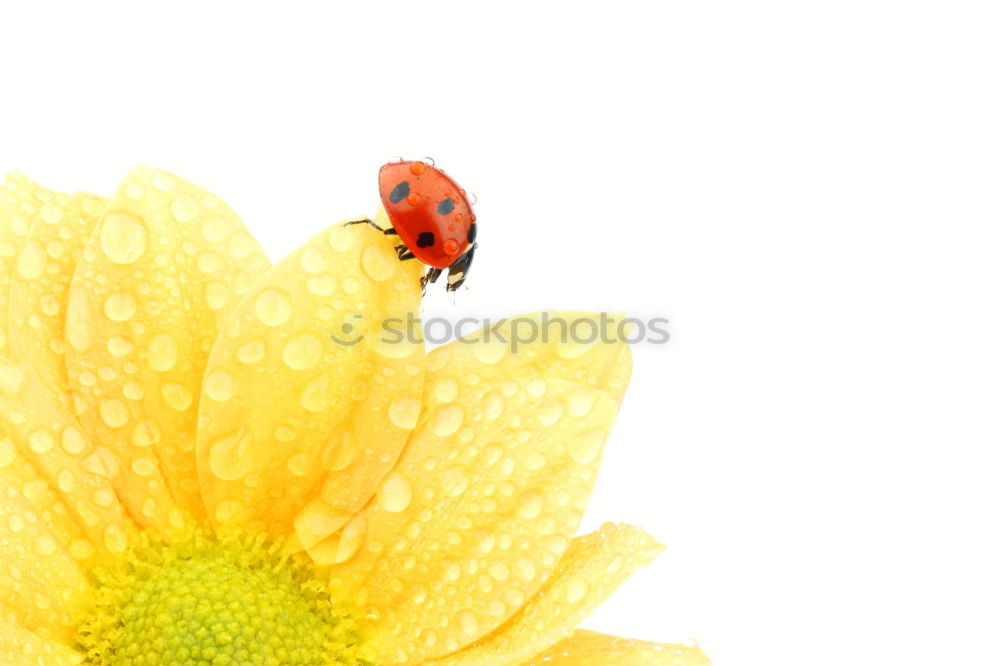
{"x": 12, "y": 378}
{"x": 163, "y": 181}
{"x": 299, "y": 464}
{"x": 489, "y": 353}
{"x": 72, "y": 440}
{"x": 499, "y": 570}
{"x": 378, "y": 263}
{"x": 119, "y": 346}
{"x": 576, "y": 589}
{"x": 123, "y": 238}
{"x": 162, "y": 352}
{"x": 351, "y": 539}
{"x": 184, "y": 207}
{"x": 210, "y": 262}
{"x": 404, "y": 412}
{"x": 228, "y": 511}
{"x": 51, "y": 212}
{"x": 143, "y": 466}
{"x": 41, "y": 441}
{"x": 145, "y": 433}
{"x": 176, "y": 395}
{"x": 45, "y": 545}
{"x": 396, "y": 493}
{"x": 581, "y": 402}
{"x": 446, "y": 389}
{"x": 219, "y": 385}
{"x": 468, "y": 623}
{"x": 230, "y": 457}
{"x": 302, "y": 352}
{"x": 536, "y": 387}
{"x": 113, "y": 412}
{"x": 313, "y": 260}
{"x": 525, "y": 569}
{"x": 321, "y": 286}
{"x": 114, "y": 538}
{"x": 550, "y": 412}
{"x": 216, "y": 295}
{"x": 120, "y": 306}
{"x": 273, "y": 307}
{"x": 448, "y": 420}
{"x": 78, "y": 333}
{"x": 417, "y": 168}
{"x": 585, "y": 446}
{"x": 7, "y": 452}
{"x": 531, "y": 505}
{"x": 318, "y": 394}
{"x": 31, "y": 262}
{"x": 251, "y": 352}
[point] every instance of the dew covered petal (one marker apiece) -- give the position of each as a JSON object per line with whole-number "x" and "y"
{"x": 20, "y": 201}
{"x": 21, "y": 647}
{"x": 295, "y": 428}
{"x": 481, "y": 507}
{"x": 51, "y": 441}
{"x": 589, "y": 648}
{"x": 165, "y": 265}
{"x": 584, "y": 347}
{"x": 593, "y": 566}
{"x": 39, "y": 289}
{"x": 41, "y": 586}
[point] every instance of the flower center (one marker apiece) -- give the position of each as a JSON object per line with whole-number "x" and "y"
{"x": 206, "y": 600}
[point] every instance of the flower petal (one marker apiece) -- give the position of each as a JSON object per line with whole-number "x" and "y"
{"x": 296, "y": 427}
{"x": 163, "y": 268}
{"x": 588, "y": 648}
{"x": 592, "y": 568}
{"x": 41, "y": 586}
{"x": 51, "y": 439}
{"x": 20, "y": 647}
{"x": 20, "y": 202}
{"x": 39, "y": 288}
{"x": 482, "y": 504}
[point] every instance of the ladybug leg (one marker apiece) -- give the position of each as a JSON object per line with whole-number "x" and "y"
{"x": 430, "y": 277}
{"x": 404, "y": 253}
{"x": 459, "y": 269}
{"x": 388, "y": 232}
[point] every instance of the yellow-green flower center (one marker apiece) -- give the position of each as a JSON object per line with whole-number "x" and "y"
{"x": 203, "y": 600}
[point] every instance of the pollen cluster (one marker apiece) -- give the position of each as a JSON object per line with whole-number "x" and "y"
{"x": 207, "y": 600}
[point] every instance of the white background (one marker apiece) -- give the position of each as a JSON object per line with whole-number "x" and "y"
{"x": 808, "y": 191}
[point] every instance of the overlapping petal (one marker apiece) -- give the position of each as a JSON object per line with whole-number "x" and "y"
{"x": 20, "y": 647}
{"x": 588, "y": 648}
{"x": 20, "y": 201}
{"x": 305, "y": 407}
{"x": 41, "y": 586}
{"x": 157, "y": 278}
{"x": 485, "y": 499}
{"x": 592, "y": 568}
{"x": 50, "y": 439}
{"x": 39, "y": 287}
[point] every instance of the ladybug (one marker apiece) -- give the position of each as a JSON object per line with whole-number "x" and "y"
{"x": 432, "y": 217}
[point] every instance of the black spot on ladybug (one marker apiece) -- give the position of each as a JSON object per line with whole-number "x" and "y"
{"x": 399, "y": 192}
{"x": 425, "y": 239}
{"x": 472, "y": 232}
{"x": 446, "y": 206}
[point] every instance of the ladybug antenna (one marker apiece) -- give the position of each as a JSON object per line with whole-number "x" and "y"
{"x": 474, "y": 198}
{"x": 396, "y": 158}
{"x": 430, "y": 159}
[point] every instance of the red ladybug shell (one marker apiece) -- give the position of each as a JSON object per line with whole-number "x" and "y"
{"x": 428, "y": 210}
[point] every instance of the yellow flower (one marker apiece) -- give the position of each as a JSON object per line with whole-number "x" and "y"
{"x": 193, "y": 470}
